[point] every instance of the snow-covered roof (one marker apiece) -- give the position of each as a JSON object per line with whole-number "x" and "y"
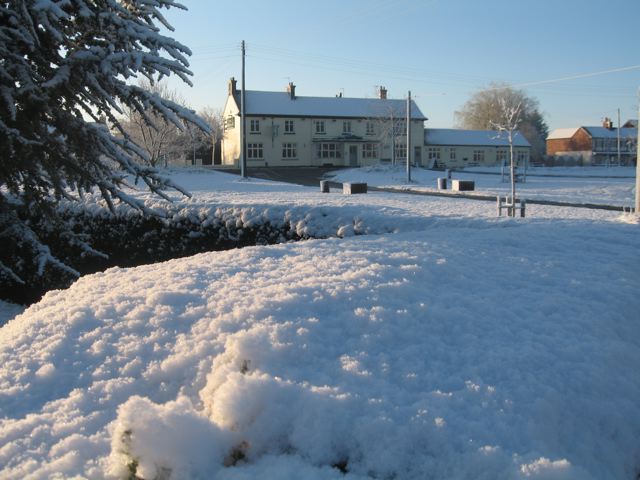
{"x": 281, "y": 104}
{"x": 559, "y": 133}
{"x": 595, "y": 132}
{"x": 602, "y": 132}
{"x": 480, "y": 138}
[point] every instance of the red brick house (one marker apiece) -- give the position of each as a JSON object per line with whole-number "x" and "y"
{"x": 594, "y": 145}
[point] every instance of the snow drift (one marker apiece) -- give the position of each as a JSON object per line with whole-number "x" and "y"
{"x": 453, "y": 353}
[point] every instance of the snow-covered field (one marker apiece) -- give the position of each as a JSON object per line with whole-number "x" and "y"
{"x": 596, "y": 185}
{"x": 443, "y": 344}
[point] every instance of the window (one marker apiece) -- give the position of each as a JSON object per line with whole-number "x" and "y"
{"x": 433, "y": 153}
{"x": 370, "y": 150}
{"x": 254, "y": 126}
{"x": 400, "y": 127}
{"x": 320, "y": 127}
{"x": 401, "y": 151}
{"x": 599, "y": 145}
{"x": 478, "y": 156}
{"x": 522, "y": 158}
{"x": 289, "y": 126}
{"x": 371, "y": 129}
{"x": 452, "y": 153}
{"x": 289, "y": 150}
{"x": 346, "y": 126}
{"x": 328, "y": 150}
{"x": 501, "y": 157}
{"x": 254, "y": 151}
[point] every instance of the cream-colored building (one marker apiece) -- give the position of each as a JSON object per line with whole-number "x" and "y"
{"x": 453, "y": 148}
{"x": 283, "y": 129}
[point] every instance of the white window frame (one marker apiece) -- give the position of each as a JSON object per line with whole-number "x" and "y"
{"x": 289, "y": 127}
{"x": 289, "y": 151}
{"x": 346, "y": 126}
{"x": 369, "y": 150}
{"x": 328, "y": 150}
{"x": 370, "y": 128}
{"x": 320, "y": 128}
{"x": 255, "y": 151}
{"x": 401, "y": 151}
{"x": 400, "y": 127}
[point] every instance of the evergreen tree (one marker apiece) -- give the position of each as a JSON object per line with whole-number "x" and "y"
{"x": 67, "y": 70}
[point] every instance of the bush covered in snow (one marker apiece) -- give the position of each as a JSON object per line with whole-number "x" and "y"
{"x": 125, "y": 237}
{"x": 65, "y": 77}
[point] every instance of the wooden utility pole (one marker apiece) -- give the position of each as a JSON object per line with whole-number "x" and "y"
{"x": 409, "y": 137}
{"x": 243, "y": 143}
{"x": 393, "y": 139}
{"x": 638, "y": 162}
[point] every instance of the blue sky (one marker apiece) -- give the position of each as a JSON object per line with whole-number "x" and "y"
{"x": 441, "y": 50}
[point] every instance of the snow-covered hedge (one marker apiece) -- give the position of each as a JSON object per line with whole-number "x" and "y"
{"x": 128, "y": 238}
{"x": 90, "y": 238}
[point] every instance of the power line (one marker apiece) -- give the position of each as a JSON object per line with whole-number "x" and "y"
{"x": 578, "y": 76}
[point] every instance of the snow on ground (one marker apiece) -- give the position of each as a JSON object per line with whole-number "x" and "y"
{"x": 461, "y": 346}
{"x": 8, "y": 311}
{"x": 598, "y": 185}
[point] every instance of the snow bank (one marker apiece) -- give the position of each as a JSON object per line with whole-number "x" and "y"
{"x": 8, "y": 311}
{"x": 455, "y": 352}
{"x": 456, "y": 347}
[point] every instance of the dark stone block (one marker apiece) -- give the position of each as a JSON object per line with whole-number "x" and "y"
{"x": 463, "y": 185}
{"x": 352, "y": 188}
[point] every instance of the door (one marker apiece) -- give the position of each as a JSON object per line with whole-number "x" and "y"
{"x": 353, "y": 155}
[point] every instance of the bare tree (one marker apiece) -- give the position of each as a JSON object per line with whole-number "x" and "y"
{"x": 485, "y": 106}
{"x": 159, "y": 138}
{"x": 508, "y": 118}
{"x": 390, "y": 128}
{"x": 208, "y": 140}
{"x": 198, "y": 143}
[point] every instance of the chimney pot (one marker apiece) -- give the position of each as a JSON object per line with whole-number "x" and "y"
{"x": 291, "y": 90}
{"x": 232, "y": 86}
{"x": 383, "y": 93}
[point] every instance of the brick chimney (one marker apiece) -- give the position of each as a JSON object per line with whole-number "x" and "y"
{"x": 607, "y": 123}
{"x": 233, "y": 86}
{"x": 291, "y": 90}
{"x": 382, "y": 93}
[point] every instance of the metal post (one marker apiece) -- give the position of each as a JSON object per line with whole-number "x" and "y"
{"x": 499, "y": 205}
{"x": 409, "y": 137}
{"x": 619, "y": 163}
{"x": 512, "y": 212}
{"x": 243, "y": 143}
